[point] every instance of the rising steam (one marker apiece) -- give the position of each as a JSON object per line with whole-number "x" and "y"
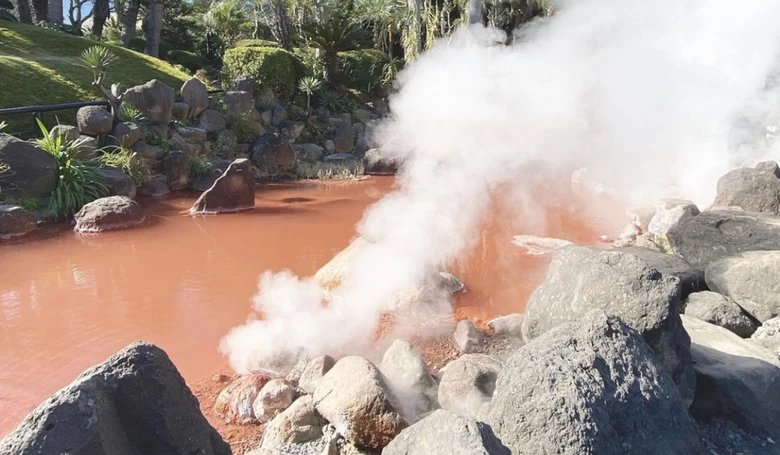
{"x": 654, "y": 98}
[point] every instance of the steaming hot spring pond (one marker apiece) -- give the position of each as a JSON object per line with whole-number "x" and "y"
{"x": 68, "y": 302}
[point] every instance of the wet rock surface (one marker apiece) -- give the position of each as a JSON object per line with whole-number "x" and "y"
{"x": 134, "y": 402}
{"x": 15, "y": 222}
{"x": 108, "y": 214}
{"x": 232, "y": 192}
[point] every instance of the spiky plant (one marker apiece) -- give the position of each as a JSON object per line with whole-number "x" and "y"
{"x": 99, "y": 59}
{"x": 132, "y": 114}
{"x": 129, "y": 162}
{"x": 79, "y": 181}
{"x": 309, "y": 85}
{"x": 331, "y": 99}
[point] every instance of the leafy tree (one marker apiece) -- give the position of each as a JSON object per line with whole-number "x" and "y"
{"x": 339, "y": 33}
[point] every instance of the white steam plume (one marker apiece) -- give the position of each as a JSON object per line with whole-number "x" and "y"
{"x": 646, "y": 94}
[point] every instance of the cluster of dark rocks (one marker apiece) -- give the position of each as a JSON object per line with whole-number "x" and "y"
{"x": 239, "y": 139}
{"x": 622, "y": 350}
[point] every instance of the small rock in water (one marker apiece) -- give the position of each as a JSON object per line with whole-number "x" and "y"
{"x": 537, "y": 246}
{"x": 235, "y": 402}
{"x": 233, "y": 191}
{"x": 275, "y": 396}
{"x": 467, "y": 337}
{"x": 314, "y": 371}
{"x": 15, "y": 221}
{"x": 109, "y": 213}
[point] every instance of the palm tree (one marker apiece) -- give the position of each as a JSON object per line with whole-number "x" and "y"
{"x": 154, "y": 27}
{"x": 340, "y": 33}
{"x": 101, "y": 9}
{"x": 224, "y": 18}
{"x": 388, "y": 16}
{"x": 54, "y": 12}
{"x": 130, "y": 20}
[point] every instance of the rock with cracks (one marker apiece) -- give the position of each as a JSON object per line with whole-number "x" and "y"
{"x": 409, "y": 380}
{"x": 751, "y": 189}
{"x": 232, "y": 192}
{"x": 15, "y": 221}
{"x": 154, "y": 99}
{"x": 445, "y": 433}
{"x": 31, "y": 171}
{"x": 467, "y": 383}
{"x": 590, "y": 386}
{"x": 622, "y": 284}
{"x": 109, "y": 213}
{"x": 719, "y": 310}
{"x": 353, "y": 397}
{"x": 710, "y": 236}
{"x": 751, "y": 279}
{"x": 297, "y": 424}
{"x": 735, "y": 379}
{"x": 135, "y": 402}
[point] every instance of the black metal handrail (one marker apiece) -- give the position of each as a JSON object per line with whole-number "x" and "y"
{"x": 36, "y": 111}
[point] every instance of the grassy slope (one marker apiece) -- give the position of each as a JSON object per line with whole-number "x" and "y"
{"x": 39, "y": 66}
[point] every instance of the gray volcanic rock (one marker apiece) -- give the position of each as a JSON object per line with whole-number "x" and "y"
{"x": 15, "y": 221}
{"x": 623, "y": 284}
{"x": 716, "y": 309}
{"x": 710, "y": 236}
{"x": 590, "y": 386}
{"x": 468, "y": 383}
{"x": 445, "y": 433}
{"x": 196, "y": 95}
{"x": 232, "y": 192}
{"x": 751, "y": 279}
{"x": 32, "y": 172}
{"x": 409, "y": 380}
{"x": 136, "y": 402}
{"x": 751, "y": 189}
{"x": 109, "y": 213}
{"x": 94, "y": 121}
{"x": 155, "y": 99}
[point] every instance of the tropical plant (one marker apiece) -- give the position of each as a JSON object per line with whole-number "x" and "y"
{"x": 129, "y": 162}
{"x": 79, "y": 181}
{"x": 339, "y": 33}
{"x": 224, "y": 19}
{"x": 99, "y": 59}
{"x": 132, "y": 114}
{"x": 275, "y": 15}
{"x": 161, "y": 141}
{"x": 244, "y": 127}
{"x": 391, "y": 69}
{"x": 271, "y": 69}
{"x": 199, "y": 165}
{"x": 309, "y": 85}
{"x": 331, "y": 99}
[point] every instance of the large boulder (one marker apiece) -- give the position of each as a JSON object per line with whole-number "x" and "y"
{"x": 308, "y": 152}
{"x": 134, "y": 402}
{"x": 31, "y": 171}
{"x": 719, "y": 310}
{"x": 235, "y": 403}
{"x": 691, "y": 278}
{"x": 314, "y": 370}
{"x": 275, "y": 396}
{"x": 377, "y": 161}
{"x": 409, "y": 380}
{"x": 751, "y": 189}
{"x": 272, "y": 155}
{"x": 212, "y": 121}
{"x": 177, "y": 166}
{"x": 119, "y": 183}
{"x": 196, "y": 95}
{"x": 751, "y": 279}
{"x": 622, "y": 284}
{"x": 468, "y": 382}
{"x": 446, "y": 433}
{"x": 735, "y": 378}
{"x": 180, "y": 110}
{"x": 768, "y": 335}
{"x": 344, "y": 138}
{"x": 590, "y": 386}
{"x": 714, "y": 235}
{"x": 232, "y": 192}
{"x": 297, "y": 424}
{"x": 109, "y": 213}
{"x": 154, "y": 99}
{"x": 353, "y": 397}
{"x": 126, "y": 134}
{"x": 156, "y": 186}
{"x": 94, "y": 121}
{"x": 15, "y": 221}
{"x": 237, "y": 105}
{"x": 291, "y": 130}
{"x": 668, "y": 213}
{"x": 206, "y": 180}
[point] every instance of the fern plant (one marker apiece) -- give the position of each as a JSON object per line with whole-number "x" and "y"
{"x": 79, "y": 181}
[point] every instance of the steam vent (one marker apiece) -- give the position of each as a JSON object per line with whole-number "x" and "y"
{"x": 381, "y": 227}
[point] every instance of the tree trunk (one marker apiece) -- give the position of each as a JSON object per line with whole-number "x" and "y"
{"x": 130, "y": 21}
{"x": 99, "y": 18}
{"x": 475, "y": 11}
{"x": 41, "y": 10}
{"x": 54, "y": 12}
{"x": 23, "y": 12}
{"x": 154, "y": 27}
{"x": 331, "y": 67}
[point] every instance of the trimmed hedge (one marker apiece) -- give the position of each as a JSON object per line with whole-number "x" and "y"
{"x": 256, "y": 43}
{"x": 190, "y": 60}
{"x": 361, "y": 68}
{"x": 269, "y": 68}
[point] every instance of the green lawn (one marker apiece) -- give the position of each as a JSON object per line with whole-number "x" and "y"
{"x": 40, "y": 66}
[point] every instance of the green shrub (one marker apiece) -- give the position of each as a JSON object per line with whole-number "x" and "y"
{"x": 129, "y": 163}
{"x": 244, "y": 127}
{"x": 199, "y": 165}
{"x": 190, "y": 60}
{"x": 362, "y": 69}
{"x": 79, "y": 180}
{"x": 269, "y": 68}
{"x": 137, "y": 44}
{"x": 256, "y": 43}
